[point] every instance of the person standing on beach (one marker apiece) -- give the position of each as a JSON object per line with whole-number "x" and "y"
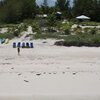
{"x": 18, "y": 49}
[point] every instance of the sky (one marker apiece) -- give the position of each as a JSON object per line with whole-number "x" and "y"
{"x": 50, "y": 2}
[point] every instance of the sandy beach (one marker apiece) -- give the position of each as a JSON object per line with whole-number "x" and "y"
{"x": 49, "y": 72}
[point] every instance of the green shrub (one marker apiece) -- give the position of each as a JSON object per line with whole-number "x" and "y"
{"x": 28, "y": 21}
{"x": 66, "y": 27}
{"x": 93, "y": 31}
{"x": 82, "y": 40}
{"x": 16, "y": 33}
{"x": 96, "y": 38}
{"x": 35, "y": 28}
{"x": 45, "y": 36}
{"x": 7, "y": 35}
{"x": 90, "y": 23}
{"x": 51, "y": 21}
{"x": 87, "y": 30}
{"x": 67, "y": 31}
{"x": 77, "y": 30}
{"x": 22, "y": 28}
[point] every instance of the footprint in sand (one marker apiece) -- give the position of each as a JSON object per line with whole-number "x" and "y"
{"x": 26, "y": 81}
{"x": 32, "y": 72}
{"x": 12, "y": 68}
{"x": 44, "y": 42}
{"x": 9, "y": 58}
{"x": 38, "y": 74}
{"x": 44, "y": 73}
{"x": 63, "y": 72}
{"x": 68, "y": 68}
{"x": 54, "y": 73}
{"x": 19, "y": 74}
{"x": 6, "y": 63}
{"x": 74, "y": 73}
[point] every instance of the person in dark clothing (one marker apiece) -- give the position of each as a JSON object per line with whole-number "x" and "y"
{"x": 18, "y": 51}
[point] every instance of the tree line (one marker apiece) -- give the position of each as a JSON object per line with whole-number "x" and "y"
{"x": 13, "y": 11}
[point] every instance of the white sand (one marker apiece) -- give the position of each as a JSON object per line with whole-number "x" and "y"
{"x": 49, "y": 72}
{"x": 3, "y": 30}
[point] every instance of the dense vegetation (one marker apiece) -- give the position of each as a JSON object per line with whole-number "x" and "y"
{"x": 87, "y": 7}
{"x": 18, "y": 15}
{"x": 81, "y": 40}
{"x": 14, "y": 11}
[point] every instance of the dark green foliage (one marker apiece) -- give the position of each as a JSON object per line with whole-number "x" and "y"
{"x": 46, "y": 36}
{"x": 7, "y": 35}
{"x": 45, "y": 3}
{"x": 16, "y": 33}
{"x": 60, "y": 4}
{"x": 81, "y": 40}
{"x": 67, "y": 31}
{"x": 93, "y": 31}
{"x": 64, "y": 7}
{"x": 90, "y": 8}
{"x": 14, "y": 11}
{"x": 35, "y": 28}
{"x": 51, "y": 20}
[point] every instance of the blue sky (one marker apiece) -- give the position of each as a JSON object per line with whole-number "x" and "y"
{"x": 50, "y": 2}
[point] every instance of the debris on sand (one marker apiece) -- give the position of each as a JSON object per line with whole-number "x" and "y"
{"x": 74, "y": 73}
{"x": 26, "y": 81}
{"x": 38, "y": 74}
{"x": 12, "y": 68}
{"x": 19, "y": 74}
{"x": 44, "y": 73}
{"x": 63, "y": 72}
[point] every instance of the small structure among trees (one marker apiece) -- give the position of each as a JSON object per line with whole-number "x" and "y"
{"x": 13, "y": 11}
{"x": 82, "y": 18}
{"x": 58, "y": 15}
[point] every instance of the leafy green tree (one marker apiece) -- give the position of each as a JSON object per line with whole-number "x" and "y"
{"x": 90, "y": 8}
{"x": 45, "y": 3}
{"x": 82, "y": 7}
{"x": 16, "y": 10}
{"x": 44, "y": 7}
{"x": 96, "y": 10}
{"x": 28, "y": 8}
{"x": 51, "y": 20}
{"x": 60, "y": 5}
{"x": 64, "y": 7}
